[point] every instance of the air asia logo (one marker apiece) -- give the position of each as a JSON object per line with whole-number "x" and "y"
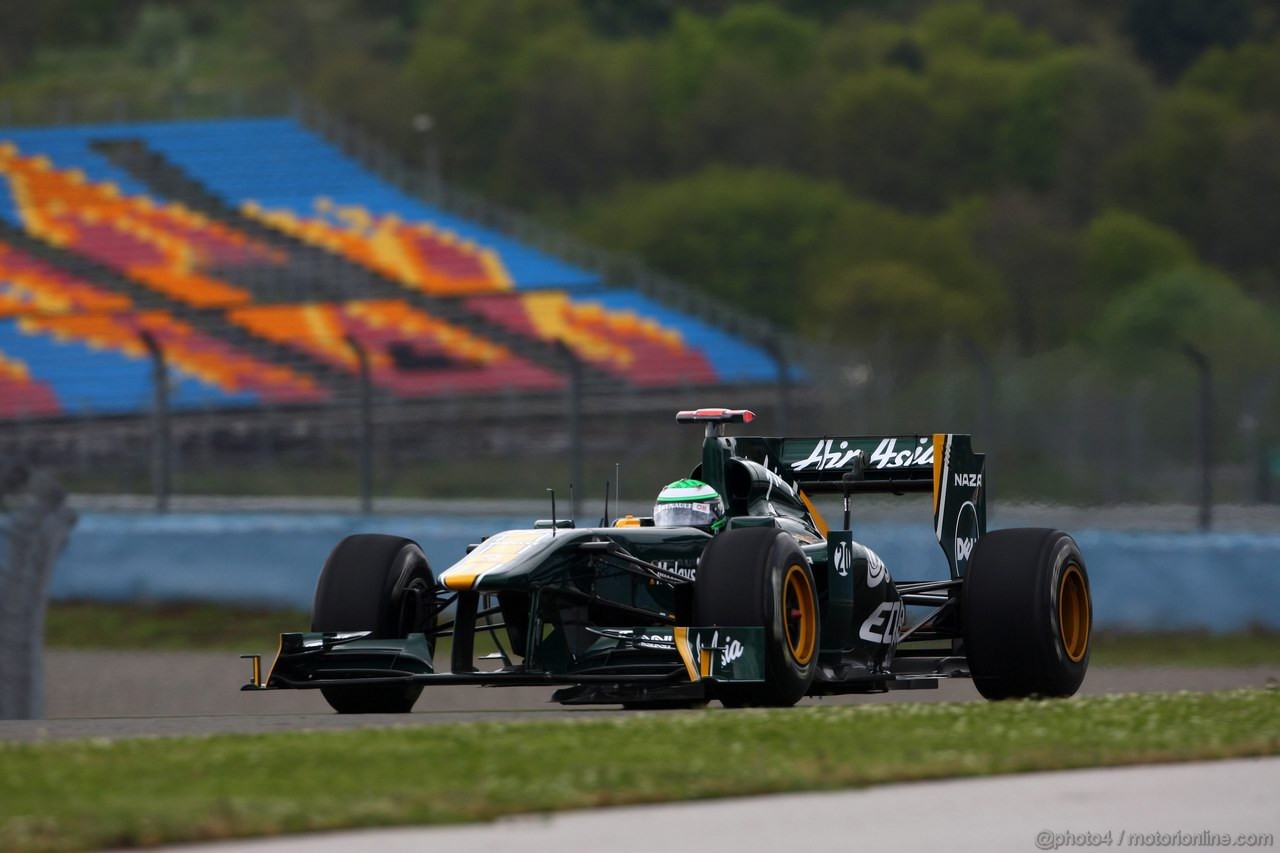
{"x": 887, "y": 454}
{"x": 966, "y": 535}
{"x": 831, "y": 454}
{"x": 824, "y": 457}
{"x": 883, "y": 624}
{"x": 729, "y": 652}
{"x": 843, "y": 557}
{"x": 971, "y": 480}
{"x": 875, "y": 569}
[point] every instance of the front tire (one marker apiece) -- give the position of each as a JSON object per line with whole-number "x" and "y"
{"x": 758, "y": 576}
{"x": 366, "y": 585}
{"x": 1027, "y": 614}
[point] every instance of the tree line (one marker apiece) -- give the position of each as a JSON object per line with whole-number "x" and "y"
{"x": 1008, "y": 172}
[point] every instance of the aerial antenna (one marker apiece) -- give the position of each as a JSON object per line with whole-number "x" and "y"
{"x": 573, "y": 507}
{"x": 604, "y": 519}
{"x": 553, "y": 511}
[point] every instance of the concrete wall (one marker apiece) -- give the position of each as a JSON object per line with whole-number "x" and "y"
{"x": 1140, "y": 580}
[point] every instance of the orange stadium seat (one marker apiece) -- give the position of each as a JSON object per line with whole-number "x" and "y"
{"x": 167, "y": 247}
{"x": 411, "y": 353}
{"x": 28, "y": 286}
{"x": 415, "y": 254}
{"x": 186, "y": 349}
{"x": 20, "y": 395}
{"x": 618, "y": 341}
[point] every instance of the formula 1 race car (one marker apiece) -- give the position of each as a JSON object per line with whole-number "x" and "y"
{"x": 765, "y": 607}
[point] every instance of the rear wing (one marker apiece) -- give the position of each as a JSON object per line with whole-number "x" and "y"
{"x": 942, "y": 464}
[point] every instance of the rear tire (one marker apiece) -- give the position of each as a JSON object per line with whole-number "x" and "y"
{"x": 364, "y": 586}
{"x": 758, "y": 576}
{"x": 1027, "y": 614}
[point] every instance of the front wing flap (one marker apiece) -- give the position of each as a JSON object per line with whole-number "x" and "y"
{"x": 309, "y": 660}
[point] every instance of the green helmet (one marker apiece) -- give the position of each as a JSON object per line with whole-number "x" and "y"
{"x": 689, "y": 503}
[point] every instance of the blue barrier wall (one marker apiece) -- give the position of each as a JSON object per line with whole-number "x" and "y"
{"x": 1214, "y": 581}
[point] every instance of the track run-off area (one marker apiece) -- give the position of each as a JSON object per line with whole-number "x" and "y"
{"x": 1202, "y": 806}
{"x": 125, "y": 694}
{"x": 136, "y": 713}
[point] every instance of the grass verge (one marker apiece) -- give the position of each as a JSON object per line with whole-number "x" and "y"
{"x": 167, "y": 626}
{"x": 73, "y": 795}
{"x": 184, "y": 626}
{"x": 1255, "y": 647}
{"x": 201, "y": 625}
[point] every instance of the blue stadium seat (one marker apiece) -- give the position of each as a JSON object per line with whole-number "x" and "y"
{"x": 733, "y": 359}
{"x": 88, "y": 380}
{"x": 280, "y": 164}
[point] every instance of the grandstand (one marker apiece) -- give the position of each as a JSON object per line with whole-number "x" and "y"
{"x": 264, "y": 264}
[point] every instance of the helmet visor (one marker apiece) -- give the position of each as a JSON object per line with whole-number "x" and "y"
{"x": 701, "y": 514}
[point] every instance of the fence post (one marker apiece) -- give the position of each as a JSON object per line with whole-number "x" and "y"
{"x": 1205, "y": 372}
{"x": 366, "y": 425}
{"x": 161, "y": 453}
{"x": 574, "y": 414}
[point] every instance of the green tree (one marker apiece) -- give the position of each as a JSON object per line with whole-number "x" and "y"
{"x": 768, "y": 37}
{"x": 971, "y": 96}
{"x": 972, "y": 29}
{"x": 744, "y": 117}
{"x": 952, "y": 26}
{"x": 1037, "y": 258}
{"x": 465, "y": 67}
{"x": 746, "y": 236}
{"x": 1069, "y": 115}
{"x": 1171, "y": 34}
{"x": 882, "y": 131}
{"x": 1249, "y": 75}
{"x": 860, "y": 42}
{"x": 18, "y": 35}
{"x": 1122, "y": 250}
{"x": 582, "y": 119}
{"x": 899, "y": 302}
{"x": 1166, "y": 174}
{"x": 1244, "y": 205}
{"x": 1190, "y": 307}
{"x": 939, "y": 249}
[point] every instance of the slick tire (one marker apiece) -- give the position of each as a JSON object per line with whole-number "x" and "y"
{"x": 758, "y": 576}
{"x": 365, "y": 586}
{"x": 1027, "y": 614}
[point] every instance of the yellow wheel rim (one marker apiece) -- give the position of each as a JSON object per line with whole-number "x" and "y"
{"x": 800, "y": 614}
{"x": 1073, "y": 612}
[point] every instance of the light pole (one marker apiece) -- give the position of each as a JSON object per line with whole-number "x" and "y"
{"x": 424, "y": 124}
{"x": 161, "y": 436}
{"x": 366, "y": 424}
{"x": 1205, "y": 372}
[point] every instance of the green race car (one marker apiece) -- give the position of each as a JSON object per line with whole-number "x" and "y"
{"x": 736, "y": 590}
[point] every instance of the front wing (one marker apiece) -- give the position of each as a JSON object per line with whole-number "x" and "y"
{"x": 673, "y": 656}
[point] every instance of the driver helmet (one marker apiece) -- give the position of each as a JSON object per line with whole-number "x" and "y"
{"x": 689, "y": 503}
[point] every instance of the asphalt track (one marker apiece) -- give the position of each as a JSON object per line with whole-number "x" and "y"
{"x": 1196, "y": 806}
{"x": 93, "y": 694}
